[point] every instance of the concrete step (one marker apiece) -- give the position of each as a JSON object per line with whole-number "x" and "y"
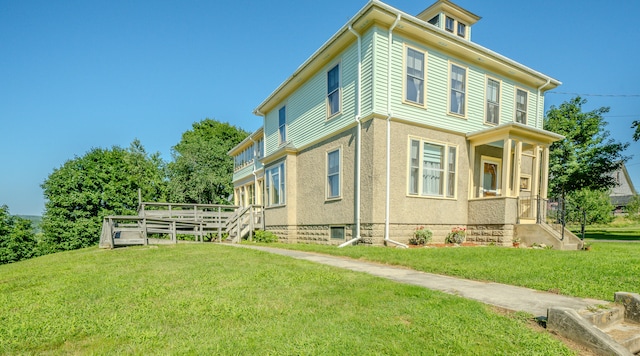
{"x": 569, "y": 247}
{"x": 626, "y": 334}
{"x": 602, "y": 316}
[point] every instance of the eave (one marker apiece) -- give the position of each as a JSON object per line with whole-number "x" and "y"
{"x": 514, "y": 130}
{"x": 381, "y": 14}
{"x": 248, "y": 141}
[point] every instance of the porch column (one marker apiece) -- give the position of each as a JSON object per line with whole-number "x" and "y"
{"x": 535, "y": 178}
{"x": 516, "y": 170}
{"x": 544, "y": 179}
{"x": 472, "y": 165}
{"x": 506, "y": 168}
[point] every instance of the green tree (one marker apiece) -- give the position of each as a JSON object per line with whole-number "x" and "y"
{"x": 633, "y": 208}
{"x": 17, "y": 239}
{"x": 586, "y": 156}
{"x": 201, "y": 171}
{"x": 594, "y": 205}
{"x": 100, "y": 183}
{"x": 636, "y": 135}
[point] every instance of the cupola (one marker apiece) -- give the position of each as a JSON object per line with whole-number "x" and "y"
{"x": 450, "y": 17}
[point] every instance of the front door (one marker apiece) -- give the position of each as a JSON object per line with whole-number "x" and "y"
{"x": 490, "y": 177}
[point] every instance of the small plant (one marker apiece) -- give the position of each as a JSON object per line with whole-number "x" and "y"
{"x": 265, "y": 236}
{"x": 456, "y": 236}
{"x": 586, "y": 246}
{"x": 421, "y": 236}
{"x": 516, "y": 242}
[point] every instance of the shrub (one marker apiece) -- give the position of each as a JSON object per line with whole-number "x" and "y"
{"x": 265, "y": 236}
{"x": 421, "y": 236}
{"x": 456, "y": 236}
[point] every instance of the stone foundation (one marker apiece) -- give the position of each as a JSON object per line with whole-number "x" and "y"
{"x": 373, "y": 234}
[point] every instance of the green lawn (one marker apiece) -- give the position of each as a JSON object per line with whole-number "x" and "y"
{"x": 620, "y": 229}
{"x": 599, "y": 273}
{"x": 212, "y": 299}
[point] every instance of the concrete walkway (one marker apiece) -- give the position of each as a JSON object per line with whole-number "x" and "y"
{"x": 500, "y": 295}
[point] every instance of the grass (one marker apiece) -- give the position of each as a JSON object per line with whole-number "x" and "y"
{"x": 599, "y": 273}
{"x": 621, "y": 229}
{"x": 213, "y": 299}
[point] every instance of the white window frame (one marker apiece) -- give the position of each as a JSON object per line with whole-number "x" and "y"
{"x": 337, "y": 91}
{"x": 278, "y": 169}
{"x": 446, "y": 23}
{"x": 328, "y": 175}
{"x": 406, "y": 75}
{"x": 462, "y": 26}
{"x": 446, "y": 173}
{"x": 498, "y": 163}
{"x": 526, "y": 106}
{"x": 464, "y": 91}
{"x": 487, "y": 101}
{"x": 282, "y": 126}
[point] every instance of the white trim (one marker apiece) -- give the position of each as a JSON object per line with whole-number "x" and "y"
{"x": 515, "y": 105}
{"x": 466, "y": 89}
{"x": 330, "y": 68}
{"x": 405, "y": 54}
{"x": 445, "y": 168}
{"x": 498, "y": 163}
{"x": 326, "y": 173}
{"x": 486, "y": 99}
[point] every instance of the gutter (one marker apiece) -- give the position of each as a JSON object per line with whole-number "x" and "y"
{"x": 388, "y": 183}
{"x": 358, "y": 145}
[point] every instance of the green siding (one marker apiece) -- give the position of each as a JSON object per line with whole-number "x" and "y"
{"x": 306, "y": 108}
{"x": 437, "y": 83}
{"x": 243, "y": 172}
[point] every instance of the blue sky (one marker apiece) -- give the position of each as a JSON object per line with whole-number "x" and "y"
{"x": 75, "y": 75}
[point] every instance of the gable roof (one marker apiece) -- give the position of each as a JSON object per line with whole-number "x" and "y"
{"x": 381, "y": 14}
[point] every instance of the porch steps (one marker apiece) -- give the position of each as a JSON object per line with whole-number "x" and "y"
{"x": 546, "y": 234}
{"x": 612, "y": 329}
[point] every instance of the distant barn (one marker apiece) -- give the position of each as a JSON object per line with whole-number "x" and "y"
{"x": 622, "y": 194}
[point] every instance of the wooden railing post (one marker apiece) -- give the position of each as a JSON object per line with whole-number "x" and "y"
{"x": 219, "y": 224}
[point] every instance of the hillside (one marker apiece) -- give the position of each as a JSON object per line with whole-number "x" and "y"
{"x": 214, "y": 299}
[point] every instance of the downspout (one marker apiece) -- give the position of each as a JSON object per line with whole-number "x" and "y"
{"x": 538, "y": 99}
{"x": 388, "y": 185}
{"x": 538, "y": 115}
{"x": 359, "y": 144}
{"x": 255, "y": 176}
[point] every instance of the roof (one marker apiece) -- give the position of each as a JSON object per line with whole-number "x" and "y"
{"x": 381, "y": 14}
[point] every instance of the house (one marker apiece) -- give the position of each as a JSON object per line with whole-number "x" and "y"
{"x": 400, "y": 121}
{"x": 622, "y": 193}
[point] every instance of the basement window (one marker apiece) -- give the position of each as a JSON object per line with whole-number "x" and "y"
{"x": 337, "y": 232}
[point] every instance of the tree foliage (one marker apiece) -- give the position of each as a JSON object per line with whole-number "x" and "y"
{"x": 587, "y": 156}
{"x": 201, "y": 171}
{"x": 17, "y": 239}
{"x": 633, "y": 208}
{"x": 636, "y": 135}
{"x": 102, "y": 182}
{"x": 596, "y": 204}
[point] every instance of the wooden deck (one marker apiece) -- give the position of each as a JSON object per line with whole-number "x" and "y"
{"x": 167, "y": 223}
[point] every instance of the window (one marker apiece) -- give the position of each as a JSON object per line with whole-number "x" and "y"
{"x": 458, "y": 90}
{"x": 521, "y": 106}
{"x": 490, "y": 176}
{"x": 493, "y": 102}
{"x": 337, "y": 232}
{"x": 449, "y": 24}
{"x": 333, "y": 90}
{"x": 462, "y": 29}
{"x": 414, "y": 85}
{"x": 282, "y": 124}
{"x": 275, "y": 188}
{"x": 259, "y": 148}
{"x": 435, "y": 20}
{"x": 432, "y": 169}
{"x": 333, "y": 174}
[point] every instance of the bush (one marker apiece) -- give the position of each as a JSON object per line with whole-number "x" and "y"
{"x": 265, "y": 236}
{"x": 633, "y": 208}
{"x": 456, "y": 236}
{"x": 421, "y": 236}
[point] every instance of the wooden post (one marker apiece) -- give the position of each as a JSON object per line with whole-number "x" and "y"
{"x": 219, "y": 224}
{"x": 174, "y": 238}
{"x": 144, "y": 230}
{"x": 113, "y": 243}
{"x": 251, "y": 218}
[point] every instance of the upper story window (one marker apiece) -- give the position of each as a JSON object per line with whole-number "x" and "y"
{"x": 493, "y": 102}
{"x": 435, "y": 20}
{"x": 414, "y": 81}
{"x": 259, "y": 148}
{"x": 457, "y": 93}
{"x": 333, "y": 90}
{"x": 282, "y": 125}
{"x": 521, "y": 106}
{"x": 333, "y": 174}
{"x": 244, "y": 158}
{"x": 449, "y": 24}
{"x": 462, "y": 29}
{"x": 432, "y": 169}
